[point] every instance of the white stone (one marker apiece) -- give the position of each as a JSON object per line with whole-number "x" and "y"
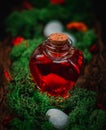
{"x": 54, "y": 26}
{"x": 57, "y": 118}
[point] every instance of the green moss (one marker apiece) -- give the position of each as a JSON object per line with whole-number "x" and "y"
{"x": 31, "y": 106}
{"x": 83, "y": 112}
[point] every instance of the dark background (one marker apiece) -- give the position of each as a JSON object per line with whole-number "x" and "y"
{"x": 6, "y": 7}
{"x": 99, "y": 9}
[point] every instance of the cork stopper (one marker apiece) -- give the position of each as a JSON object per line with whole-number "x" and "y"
{"x": 58, "y": 38}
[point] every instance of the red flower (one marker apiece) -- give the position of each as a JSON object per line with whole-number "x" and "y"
{"x": 17, "y": 40}
{"x": 57, "y": 1}
{"x": 27, "y": 5}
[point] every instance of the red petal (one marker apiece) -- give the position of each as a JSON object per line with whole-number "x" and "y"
{"x": 57, "y": 1}
{"x": 101, "y": 106}
{"x": 7, "y": 120}
{"x": 8, "y": 76}
{"x": 94, "y": 48}
{"x": 17, "y": 40}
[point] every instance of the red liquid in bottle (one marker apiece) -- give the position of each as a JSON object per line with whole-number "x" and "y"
{"x": 55, "y": 70}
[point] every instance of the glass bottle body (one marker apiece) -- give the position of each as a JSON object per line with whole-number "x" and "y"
{"x": 55, "y": 68}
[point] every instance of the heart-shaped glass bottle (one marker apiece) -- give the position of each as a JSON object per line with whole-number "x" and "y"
{"x": 55, "y": 65}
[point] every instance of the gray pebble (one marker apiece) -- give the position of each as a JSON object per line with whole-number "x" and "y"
{"x": 57, "y": 118}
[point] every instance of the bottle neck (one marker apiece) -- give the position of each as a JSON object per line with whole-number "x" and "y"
{"x": 58, "y": 50}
